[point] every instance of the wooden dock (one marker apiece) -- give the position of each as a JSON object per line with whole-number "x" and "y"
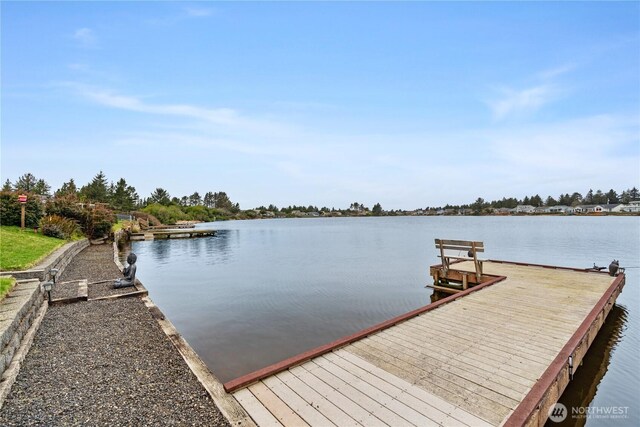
{"x": 499, "y": 353}
{"x": 171, "y": 234}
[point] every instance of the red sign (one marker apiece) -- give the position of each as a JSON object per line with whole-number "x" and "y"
{"x": 22, "y": 198}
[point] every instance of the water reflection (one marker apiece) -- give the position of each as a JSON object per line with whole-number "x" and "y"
{"x": 161, "y": 250}
{"x": 582, "y": 389}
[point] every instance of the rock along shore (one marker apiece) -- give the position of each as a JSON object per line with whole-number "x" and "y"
{"x": 105, "y": 363}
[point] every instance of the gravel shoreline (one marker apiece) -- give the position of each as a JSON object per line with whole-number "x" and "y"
{"x": 105, "y": 363}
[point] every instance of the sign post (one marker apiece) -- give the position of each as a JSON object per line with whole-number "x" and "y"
{"x": 23, "y": 202}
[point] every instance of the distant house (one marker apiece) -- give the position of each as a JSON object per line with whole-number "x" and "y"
{"x": 540, "y": 210}
{"x": 610, "y": 207}
{"x": 313, "y": 213}
{"x": 502, "y": 211}
{"x": 525, "y": 209}
{"x": 588, "y": 208}
{"x": 559, "y": 209}
{"x": 633, "y": 206}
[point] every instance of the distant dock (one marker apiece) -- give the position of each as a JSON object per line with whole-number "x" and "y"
{"x": 498, "y": 353}
{"x": 171, "y": 234}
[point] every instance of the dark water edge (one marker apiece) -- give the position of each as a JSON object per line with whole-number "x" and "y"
{"x": 261, "y": 291}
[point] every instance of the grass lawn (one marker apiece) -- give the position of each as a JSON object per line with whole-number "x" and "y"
{"x": 20, "y": 250}
{"x": 6, "y": 284}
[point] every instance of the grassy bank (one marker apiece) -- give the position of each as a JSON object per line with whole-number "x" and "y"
{"x": 6, "y": 284}
{"x": 20, "y": 250}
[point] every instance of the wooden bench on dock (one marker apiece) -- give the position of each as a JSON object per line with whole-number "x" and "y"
{"x": 452, "y": 251}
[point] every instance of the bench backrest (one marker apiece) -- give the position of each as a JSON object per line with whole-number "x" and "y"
{"x": 459, "y": 245}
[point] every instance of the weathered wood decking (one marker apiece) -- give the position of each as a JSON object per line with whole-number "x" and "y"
{"x": 492, "y": 355}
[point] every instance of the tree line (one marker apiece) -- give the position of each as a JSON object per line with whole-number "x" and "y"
{"x": 122, "y": 197}
{"x": 591, "y": 197}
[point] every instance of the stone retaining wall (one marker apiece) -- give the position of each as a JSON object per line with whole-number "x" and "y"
{"x": 59, "y": 259}
{"x": 17, "y": 312}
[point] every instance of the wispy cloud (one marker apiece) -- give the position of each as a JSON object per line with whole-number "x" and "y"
{"x": 221, "y": 117}
{"x": 513, "y": 102}
{"x": 510, "y": 102}
{"x": 85, "y": 37}
{"x": 557, "y": 71}
{"x": 198, "y": 12}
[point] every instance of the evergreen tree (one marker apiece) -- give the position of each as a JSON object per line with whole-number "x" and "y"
{"x": 160, "y": 196}
{"x": 377, "y": 209}
{"x": 67, "y": 189}
{"x": 589, "y": 197}
{"x": 97, "y": 190}
{"x": 42, "y": 188}
{"x": 26, "y": 183}
{"x": 208, "y": 200}
{"x": 478, "y": 205}
{"x": 194, "y": 199}
{"x": 633, "y": 193}
{"x": 599, "y": 198}
{"x": 612, "y": 196}
{"x": 576, "y": 199}
{"x": 124, "y": 196}
{"x": 625, "y": 197}
{"x": 550, "y": 201}
{"x": 222, "y": 201}
{"x": 7, "y": 186}
{"x": 536, "y": 201}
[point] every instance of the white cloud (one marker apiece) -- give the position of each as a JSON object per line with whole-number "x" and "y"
{"x": 579, "y": 153}
{"x": 223, "y": 118}
{"x": 557, "y": 71}
{"x": 198, "y": 12}
{"x": 514, "y": 102}
{"x": 85, "y": 37}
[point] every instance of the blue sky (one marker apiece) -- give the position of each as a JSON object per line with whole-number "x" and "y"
{"x": 406, "y": 104}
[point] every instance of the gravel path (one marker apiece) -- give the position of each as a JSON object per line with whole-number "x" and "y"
{"x": 105, "y": 363}
{"x": 95, "y": 264}
{"x": 65, "y": 290}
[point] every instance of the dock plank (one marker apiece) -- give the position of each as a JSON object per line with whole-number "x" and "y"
{"x": 285, "y": 415}
{"x": 343, "y": 402}
{"x": 307, "y": 412}
{"x": 315, "y": 399}
{"x": 386, "y": 396}
{"x": 378, "y": 410}
{"x": 256, "y": 409}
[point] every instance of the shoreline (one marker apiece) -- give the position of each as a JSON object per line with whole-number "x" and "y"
{"x": 109, "y": 362}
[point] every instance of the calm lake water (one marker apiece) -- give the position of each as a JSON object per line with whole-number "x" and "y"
{"x": 261, "y": 291}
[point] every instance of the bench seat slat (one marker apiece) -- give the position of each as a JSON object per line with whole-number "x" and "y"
{"x": 462, "y": 257}
{"x": 460, "y": 248}
{"x": 458, "y": 242}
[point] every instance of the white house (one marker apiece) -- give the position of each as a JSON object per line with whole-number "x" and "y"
{"x": 559, "y": 209}
{"x": 633, "y": 206}
{"x": 525, "y": 209}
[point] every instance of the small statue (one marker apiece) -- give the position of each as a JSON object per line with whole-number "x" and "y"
{"x": 129, "y": 273}
{"x": 613, "y": 267}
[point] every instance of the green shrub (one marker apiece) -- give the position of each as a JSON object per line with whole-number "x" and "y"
{"x": 57, "y": 226}
{"x": 69, "y": 207}
{"x": 99, "y": 222}
{"x": 10, "y": 209}
{"x": 165, "y": 214}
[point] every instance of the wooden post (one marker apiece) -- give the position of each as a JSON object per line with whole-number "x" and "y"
{"x": 465, "y": 281}
{"x": 22, "y": 198}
